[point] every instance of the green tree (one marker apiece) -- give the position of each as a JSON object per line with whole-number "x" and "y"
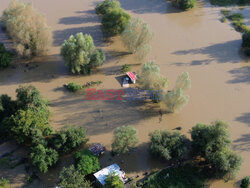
{"x": 245, "y": 182}
{"x": 246, "y": 43}
{"x": 184, "y": 4}
{"x": 213, "y": 143}
{"x": 27, "y": 28}
{"x": 43, "y": 158}
{"x": 151, "y": 79}
{"x": 113, "y": 181}
{"x": 115, "y": 21}
{"x": 167, "y": 145}
{"x": 5, "y": 57}
{"x": 183, "y": 82}
{"x": 103, "y": 7}
{"x": 68, "y": 139}
{"x": 86, "y": 162}
{"x": 72, "y": 178}
{"x": 125, "y": 138}
{"x": 136, "y": 37}
{"x": 80, "y": 54}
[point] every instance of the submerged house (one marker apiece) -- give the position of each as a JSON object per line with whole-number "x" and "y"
{"x": 130, "y": 77}
{"x": 114, "y": 168}
{"x": 97, "y": 149}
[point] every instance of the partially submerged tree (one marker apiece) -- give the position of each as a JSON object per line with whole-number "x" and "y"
{"x": 103, "y": 7}
{"x": 136, "y": 37}
{"x": 169, "y": 146}
{"x": 245, "y": 182}
{"x": 115, "y": 21}
{"x": 72, "y": 178}
{"x": 184, "y": 4}
{"x": 246, "y": 43}
{"x": 151, "y": 80}
{"x": 125, "y": 138}
{"x": 43, "y": 158}
{"x": 86, "y": 162}
{"x": 80, "y": 54}
{"x": 27, "y": 28}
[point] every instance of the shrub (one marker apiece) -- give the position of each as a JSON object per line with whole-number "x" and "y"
{"x": 236, "y": 17}
{"x": 69, "y": 139}
{"x": 4, "y": 183}
{"x": 183, "y": 82}
{"x": 246, "y": 43}
{"x": 72, "y": 178}
{"x": 241, "y": 27}
{"x": 213, "y": 143}
{"x": 151, "y": 79}
{"x": 126, "y": 68}
{"x": 27, "y": 28}
{"x": 5, "y": 57}
{"x": 125, "y": 138}
{"x": 136, "y": 37}
{"x": 43, "y": 158}
{"x": 167, "y": 145}
{"x": 73, "y": 87}
{"x": 113, "y": 181}
{"x": 86, "y": 162}
{"x": 80, "y": 54}
{"x": 103, "y": 7}
{"x": 245, "y": 182}
{"x": 115, "y": 21}
{"x": 184, "y": 4}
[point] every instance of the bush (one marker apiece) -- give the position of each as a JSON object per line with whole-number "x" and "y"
{"x": 5, "y": 57}
{"x": 72, "y": 178}
{"x": 246, "y": 43}
{"x": 213, "y": 143}
{"x": 151, "y": 79}
{"x": 126, "y": 68}
{"x": 103, "y": 7}
{"x": 125, "y": 138}
{"x": 80, "y": 54}
{"x": 86, "y": 162}
{"x": 73, "y": 87}
{"x": 113, "y": 181}
{"x": 115, "y": 21}
{"x": 167, "y": 145}
{"x": 184, "y": 4}
{"x": 236, "y": 17}
{"x": 245, "y": 182}
{"x": 28, "y": 29}
{"x": 136, "y": 37}
{"x": 183, "y": 82}
{"x": 43, "y": 158}
{"x": 69, "y": 139}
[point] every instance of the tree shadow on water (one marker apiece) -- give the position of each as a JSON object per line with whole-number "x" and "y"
{"x": 243, "y": 143}
{"x": 241, "y": 75}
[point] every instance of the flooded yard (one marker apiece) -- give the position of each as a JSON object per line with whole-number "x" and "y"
{"x": 194, "y": 41}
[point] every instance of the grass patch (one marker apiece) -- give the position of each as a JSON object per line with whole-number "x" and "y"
{"x": 236, "y": 17}
{"x": 188, "y": 175}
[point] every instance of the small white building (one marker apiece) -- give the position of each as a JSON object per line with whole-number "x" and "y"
{"x": 114, "y": 168}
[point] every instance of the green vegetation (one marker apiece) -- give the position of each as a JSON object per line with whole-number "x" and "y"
{"x": 246, "y": 43}
{"x": 113, "y": 181}
{"x": 115, "y": 21}
{"x": 92, "y": 83}
{"x": 125, "y": 138}
{"x": 136, "y": 37}
{"x": 43, "y": 158}
{"x": 4, "y": 183}
{"x": 102, "y": 8}
{"x": 5, "y": 57}
{"x": 33, "y": 36}
{"x": 151, "y": 79}
{"x": 72, "y": 178}
{"x": 245, "y": 182}
{"x": 235, "y": 17}
{"x": 184, "y": 4}
{"x": 67, "y": 140}
{"x": 126, "y": 68}
{"x": 73, "y": 87}
{"x": 223, "y": 2}
{"x": 176, "y": 99}
{"x": 213, "y": 143}
{"x": 80, "y": 54}
{"x": 225, "y": 12}
{"x": 187, "y": 175}
{"x": 169, "y": 146}
{"x": 86, "y": 162}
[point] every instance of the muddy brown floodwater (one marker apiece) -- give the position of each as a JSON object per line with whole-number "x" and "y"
{"x": 194, "y": 41}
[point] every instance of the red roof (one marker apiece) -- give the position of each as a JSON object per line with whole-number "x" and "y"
{"x": 132, "y": 76}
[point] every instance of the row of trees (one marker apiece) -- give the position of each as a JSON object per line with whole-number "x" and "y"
{"x": 152, "y": 80}
{"x": 210, "y": 142}
{"x": 26, "y": 120}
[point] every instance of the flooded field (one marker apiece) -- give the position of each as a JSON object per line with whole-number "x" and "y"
{"x": 194, "y": 41}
